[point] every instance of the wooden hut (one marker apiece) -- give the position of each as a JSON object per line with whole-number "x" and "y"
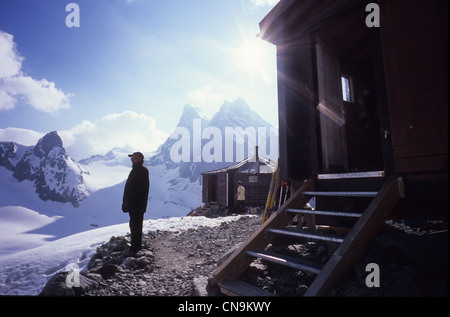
{"x": 363, "y": 128}
{"x": 362, "y": 100}
{"x": 255, "y": 173}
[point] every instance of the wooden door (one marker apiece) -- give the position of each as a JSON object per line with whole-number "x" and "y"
{"x": 415, "y": 52}
{"x": 333, "y": 142}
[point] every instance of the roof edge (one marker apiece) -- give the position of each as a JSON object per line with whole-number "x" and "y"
{"x": 266, "y": 23}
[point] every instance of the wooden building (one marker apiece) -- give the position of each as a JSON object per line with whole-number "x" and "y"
{"x": 363, "y": 129}
{"x": 355, "y": 99}
{"x": 255, "y": 173}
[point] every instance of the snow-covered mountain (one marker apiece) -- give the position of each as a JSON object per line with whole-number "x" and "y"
{"x": 117, "y": 156}
{"x": 198, "y": 144}
{"x": 55, "y": 175}
{"x": 68, "y": 197}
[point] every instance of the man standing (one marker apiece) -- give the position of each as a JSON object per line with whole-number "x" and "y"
{"x": 135, "y": 198}
{"x": 240, "y": 195}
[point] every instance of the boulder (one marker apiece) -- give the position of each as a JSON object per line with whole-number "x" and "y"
{"x": 58, "y": 286}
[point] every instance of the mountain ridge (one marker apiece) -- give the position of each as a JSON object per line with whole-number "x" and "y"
{"x": 57, "y": 177}
{"x": 47, "y": 165}
{"x": 201, "y": 137}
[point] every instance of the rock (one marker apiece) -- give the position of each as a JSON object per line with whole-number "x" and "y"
{"x": 199, "y": 286}
{"x": 181, "y": 264}
{"x": 57, "y": 285}
{"x": 107, "y": 270}
{"x": 210, "y": 210}
{"x": 145, "y": 263}
{"x": 212, "y": 288}
{"x": 227, "y": 254}
{"x": 411, "y": 265}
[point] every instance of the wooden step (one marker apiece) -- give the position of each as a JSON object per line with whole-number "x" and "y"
{"x": 305, "y": 235}
{"x": 282, "y": 259}
{"x": 369, "y": 194}
{"x": 241, "y": 288}
{"x": 350, "y": 251}
{"x": 325, "y": 213}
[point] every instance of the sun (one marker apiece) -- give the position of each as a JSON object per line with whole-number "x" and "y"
{"x": 253, "y": 57}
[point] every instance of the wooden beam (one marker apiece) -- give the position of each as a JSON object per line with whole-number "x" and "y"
{"x": 233, "y": 267}
{"x": 240, "y": 288}
{"x": 355, "y": 244}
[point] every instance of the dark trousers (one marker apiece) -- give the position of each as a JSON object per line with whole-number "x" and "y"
{"x": 136, "y": 220}
{"x": 241, "y": 206}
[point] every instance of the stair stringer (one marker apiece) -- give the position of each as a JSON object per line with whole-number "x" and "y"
{"x": 233, "y": 267}
{"x": 355, "y": 245}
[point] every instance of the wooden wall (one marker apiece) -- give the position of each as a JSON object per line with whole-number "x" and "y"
{"x": 297, "y": 127}
{"x": 414, "y": 35}
{"x": 216, "y": 187}
{"x": 255, "y": 193}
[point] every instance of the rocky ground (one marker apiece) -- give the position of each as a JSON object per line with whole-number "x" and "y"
{"x": 413, "y": 262}
{"x": 170, "y": 264}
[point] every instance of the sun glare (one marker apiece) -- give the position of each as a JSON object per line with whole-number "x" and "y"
{"x": 253, "y": 58}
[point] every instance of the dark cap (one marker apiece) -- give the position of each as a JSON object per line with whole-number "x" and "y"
{"x": 137, "y": 154}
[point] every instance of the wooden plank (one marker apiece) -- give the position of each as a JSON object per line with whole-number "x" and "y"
{"x": 238, "y": 262}
{"x": 325, "y": 213}
{"x": 240, "y": 288}
{"x": 305, "y": 235}
{"x": 331, "y": 110}
{"x": 419, "y": 77}
{"x": 351, "y": 175}
{"x": 341, "y": 194}
{"x": 354, "y": 246}
{"x": 282, "y": 259}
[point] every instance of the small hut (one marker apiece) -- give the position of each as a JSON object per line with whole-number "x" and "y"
{"x": 357, "y": 101}
{"x": 255, "y": 173}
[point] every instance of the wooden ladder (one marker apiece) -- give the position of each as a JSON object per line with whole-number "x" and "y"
{"x": 350, "y": 251}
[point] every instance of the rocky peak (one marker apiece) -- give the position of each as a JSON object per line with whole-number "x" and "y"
{"x": 47, "y": 143}
{"x": 55, "y": 175}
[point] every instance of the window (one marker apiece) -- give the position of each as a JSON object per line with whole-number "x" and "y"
{"x": 346, "y": 88}
{"x": 253, "y": 179}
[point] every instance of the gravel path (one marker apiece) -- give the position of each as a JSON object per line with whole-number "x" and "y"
{"x": 171, "y": 264}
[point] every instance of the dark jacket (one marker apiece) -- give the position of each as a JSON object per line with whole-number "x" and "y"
{"x": 135, "y": 194}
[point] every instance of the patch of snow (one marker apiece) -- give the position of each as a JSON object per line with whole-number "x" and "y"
{"x": 27, "y": 272}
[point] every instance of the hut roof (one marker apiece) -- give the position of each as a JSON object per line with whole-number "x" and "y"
{"x": 255, "y": 164}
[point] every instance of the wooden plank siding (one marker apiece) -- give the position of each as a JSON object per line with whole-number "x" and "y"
{"x": 415, "y": 52}
{"x": 255, "y": 192}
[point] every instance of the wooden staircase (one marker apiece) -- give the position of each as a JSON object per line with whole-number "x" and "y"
{"x": 360, "y": 227}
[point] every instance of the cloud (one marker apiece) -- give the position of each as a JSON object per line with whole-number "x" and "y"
{"x": 259, "y": 3}
{"x": 206, "y": 99}
{"x": 87, "y": 138}
{"x": 128, "y": 128}
{"x": 16, "y": 86}
{"x": 20, "y": 136}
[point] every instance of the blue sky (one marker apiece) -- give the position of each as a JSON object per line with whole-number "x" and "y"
{"x": 124, "y": 76}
